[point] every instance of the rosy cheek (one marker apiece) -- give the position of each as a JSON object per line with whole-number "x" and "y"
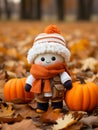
{"x": 39, "y": 63}
{"x": 57, "y": 61}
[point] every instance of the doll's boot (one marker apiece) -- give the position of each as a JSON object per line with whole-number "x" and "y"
{"x": 41, "y": 107}
{"x": 57, "y": 106}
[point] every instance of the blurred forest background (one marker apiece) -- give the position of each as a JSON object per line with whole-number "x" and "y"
{"x": 49, "y": 9}
{"x": 20, "y": 22}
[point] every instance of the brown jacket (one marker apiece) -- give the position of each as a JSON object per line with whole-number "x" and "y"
{"x": 57, "y": 90}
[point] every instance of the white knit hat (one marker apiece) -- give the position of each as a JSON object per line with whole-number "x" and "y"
{"x": 49, "y": 42}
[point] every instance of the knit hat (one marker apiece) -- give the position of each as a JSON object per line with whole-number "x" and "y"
{"x": 49, "y": 42}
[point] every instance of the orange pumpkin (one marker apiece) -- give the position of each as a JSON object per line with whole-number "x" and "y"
{"x": 14, "y": 91}
{"x": 82, "y": 96}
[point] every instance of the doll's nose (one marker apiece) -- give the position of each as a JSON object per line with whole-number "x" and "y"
{"x": 48, "y": 62}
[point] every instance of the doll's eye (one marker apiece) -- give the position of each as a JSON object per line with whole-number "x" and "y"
{"x": 53, "y": 58}
{"x": 42, "y": 59}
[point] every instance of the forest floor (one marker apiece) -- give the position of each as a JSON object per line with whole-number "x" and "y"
{"x": 16, "y": 38}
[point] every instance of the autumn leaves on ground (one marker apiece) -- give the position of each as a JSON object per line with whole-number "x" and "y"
{"x": 15, "y": 40}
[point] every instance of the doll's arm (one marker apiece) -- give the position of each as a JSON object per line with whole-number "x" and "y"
{"x": 66, "y": 80}
{"x": 29, "y": 82}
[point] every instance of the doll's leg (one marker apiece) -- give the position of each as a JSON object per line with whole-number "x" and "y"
{"x": 42, "y": 104}
{"x": 57, "y": 105}
{"x": 42, "y": 107}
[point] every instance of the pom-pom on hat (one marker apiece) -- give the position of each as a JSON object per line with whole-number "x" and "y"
{"x": 49, "y": 42}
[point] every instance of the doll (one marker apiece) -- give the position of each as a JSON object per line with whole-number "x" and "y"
{"x": 49, "y": 77}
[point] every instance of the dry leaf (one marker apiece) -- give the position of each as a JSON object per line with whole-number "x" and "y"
{"x": 76, "y": 126}
{"x": 6, "y": 110}
{"x": 24, "y": 110}
{"x": 11, "y": 75}
{"x": 11, "y": 119}
{"x": 66, "y": 121}
{"x": 23, "y": 125}
{"x": 82, "y": 42}
{"x": 96, "y": 129}
{"x": 94, "y": 79}
{"x": 50, "y": 116}
{"x": 90, "y": 121}
{"x": 89, "y": 63}
{"x": 12, "y": 52}
{"x": 79, "y": 47}
{"x": 7, "y": 113}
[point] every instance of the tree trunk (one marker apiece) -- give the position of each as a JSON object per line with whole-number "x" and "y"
{"x": 84, "y": 9}
{"x": 23, "y": 9}
{"x": 60, "y": 9}
{"x": 7, "y": 9}
{"x": 26, "y": 9}
{"x": 0, "y": 13}
{"x": 39, "y": 13}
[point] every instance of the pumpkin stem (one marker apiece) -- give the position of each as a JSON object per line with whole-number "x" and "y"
{"x": 82, "y": 81}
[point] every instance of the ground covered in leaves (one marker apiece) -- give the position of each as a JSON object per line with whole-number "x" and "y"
{"x": 15, "y": 40}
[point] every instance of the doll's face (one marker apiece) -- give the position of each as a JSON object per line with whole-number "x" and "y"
{"x": 48, "y": 59}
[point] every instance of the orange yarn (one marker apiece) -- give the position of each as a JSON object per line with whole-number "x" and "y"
{"x": 44, "y": 74}
{"x": 52, "y": 29}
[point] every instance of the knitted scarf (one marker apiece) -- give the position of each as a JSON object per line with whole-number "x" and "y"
{"x": 42, "y": 74}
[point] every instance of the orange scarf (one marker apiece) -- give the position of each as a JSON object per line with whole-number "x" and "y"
{"x": 43, "y": 74}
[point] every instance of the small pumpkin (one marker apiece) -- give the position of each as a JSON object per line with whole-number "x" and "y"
{"x": 82, "y": 97}
{"x": 14, "y": 91}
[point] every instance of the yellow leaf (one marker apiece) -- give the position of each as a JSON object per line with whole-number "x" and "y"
{"x": 6, "y": 110}
{"x": 79, "y": 46}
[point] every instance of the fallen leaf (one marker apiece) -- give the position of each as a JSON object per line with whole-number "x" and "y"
{"x": 23, "y": 125}
{"x": 89, "y": 63}
{"x": 96, "y": 129}
{"x": 6, "y": 110}
{"x": 94, "y": 79}
{"x": 79, "y": 47}
{"x": 81, "y": 41}
{"x": 90, "y": 121}
{"x": 2, "y": 83}
{"x": 66, "y": 121}
{"x": 11, "y": 75}
{"x": 11, "y": 119}
{"x": 7, "y": 113}
{"x": 50, "y": 116}
{"x": 24, "y": 110}
{"x": 12, "y": 52}
{"x": 77, "y": 126}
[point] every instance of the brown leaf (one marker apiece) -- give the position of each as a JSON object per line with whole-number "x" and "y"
{"x": 67, "y": 120}
{"x": 94, "y": 79}
{"x": 64, "y": 122}
{"x": 10, "y": 75}
{"x": 23, "y": 125}
{"x": 11, "y": 119}
{"x": 90, "y": 121}
{"x": 7, "y": 113}
{"x": 50, "y": 116}
{"x": 24, "y": 110}
{"x": 76, "y": 126}
{"x": 2, "y": 72}
{"x": 2, "y": 83}
{"x": 33, "y": 104}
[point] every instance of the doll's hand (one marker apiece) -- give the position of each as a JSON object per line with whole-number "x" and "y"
{"x": 68, "y": 84}
{"x": 28, "y": 87}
